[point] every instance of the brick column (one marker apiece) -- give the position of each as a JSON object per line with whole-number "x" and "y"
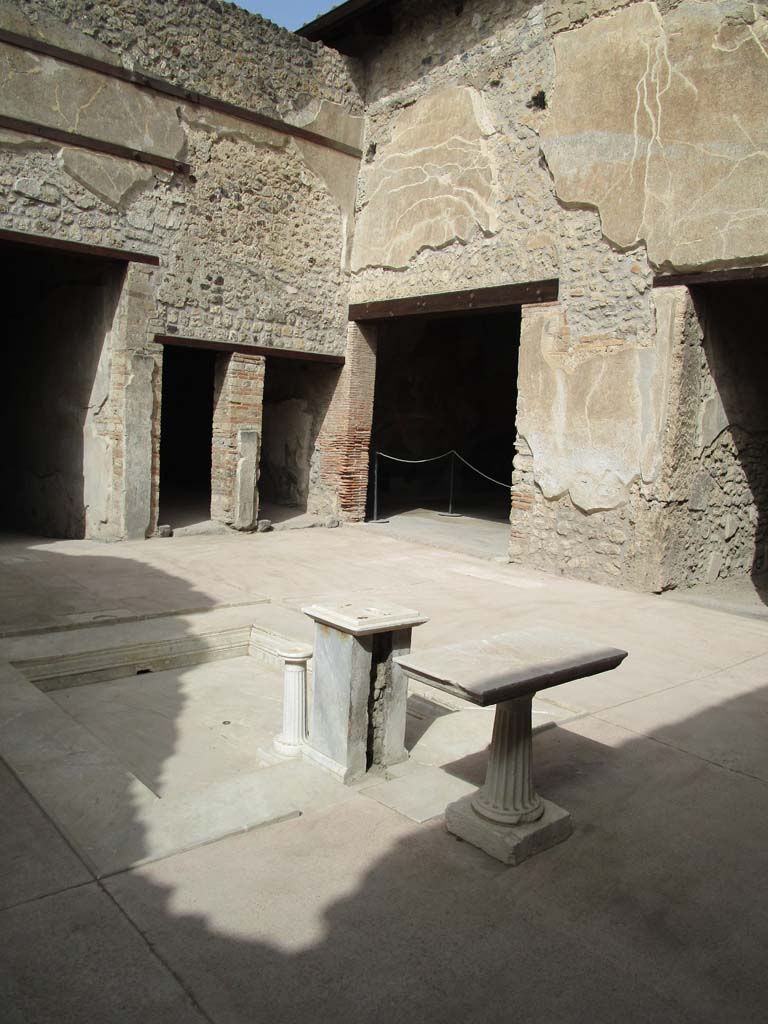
{"x": 237, "y": 409}
{"x": 344, "y": 440}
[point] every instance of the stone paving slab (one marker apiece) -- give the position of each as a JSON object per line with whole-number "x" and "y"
{"x": 729, "y": 700}
{"x": 420, "y": 794}
{"x": 183, "y": 730}
{"x": 334, "y": 917}
{"x": 73, "y": 958}
{"x": 34, "y": 858}
{"x": 482, "y": 538}
{"x": 650, "y": 911}
{"x": 109, "y": 635}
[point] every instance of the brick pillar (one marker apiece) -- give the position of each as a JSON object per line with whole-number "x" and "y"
{"x": 237, "y": 408}
{"x": 344, "y": 440}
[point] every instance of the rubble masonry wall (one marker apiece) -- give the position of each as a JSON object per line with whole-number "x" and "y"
{"x": 252, "y": 242}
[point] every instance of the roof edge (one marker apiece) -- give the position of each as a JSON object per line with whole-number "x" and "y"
{"x": 338, "y": 20}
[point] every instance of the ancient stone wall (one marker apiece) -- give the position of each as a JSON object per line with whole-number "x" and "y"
{"x": 205, "y": 46}
{"x": 588, "y": 465}
{"x": 457, "y": 104}
{"x": 716, "y": 468}
{"x": 597, "y": 143}
{"x": 252, "y": 242}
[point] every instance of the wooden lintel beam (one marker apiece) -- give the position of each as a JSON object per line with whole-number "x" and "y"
{"x": 472, "y": 300}
{"x": 45, "y": 131}
{"x": 175, "y": 91}
{"x": 81, "y": 248}
{"x": 251, "y": 350}
{"x": 711, "y": 277}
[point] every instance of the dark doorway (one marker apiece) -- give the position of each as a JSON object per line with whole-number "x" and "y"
{"x": 56, "y": 419}
{"x": 442, "y": 384}
{"x": 297, "y": 395}
{"x": 186, "y": 433}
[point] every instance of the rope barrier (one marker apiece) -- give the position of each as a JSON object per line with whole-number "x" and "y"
{"x": 434, "y": 458}
{"x": 453, "y": 454}
{"x": 445, "y": 455}
{"x": 499, "y": 482}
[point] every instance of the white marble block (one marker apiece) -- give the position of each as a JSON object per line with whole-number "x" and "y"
{"x": 360, "y": 694}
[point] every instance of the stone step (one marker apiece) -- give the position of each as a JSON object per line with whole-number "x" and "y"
{"x": 66, "y": 658}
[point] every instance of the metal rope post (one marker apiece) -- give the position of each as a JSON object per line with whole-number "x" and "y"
{"x": 435, "y": 458}
{"x": 376, "y": 490}
{"x": 450, "y": 512}
{"x": 375, "y": 487}
{"x": 450, "y": 485}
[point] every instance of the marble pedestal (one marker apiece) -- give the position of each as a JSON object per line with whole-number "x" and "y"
{"x": 360, "y": 693}
{"x": 507, "y": 818}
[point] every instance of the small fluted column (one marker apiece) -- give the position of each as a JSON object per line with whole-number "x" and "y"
{"x": 508, "y": 796}
{"x": 293, "y": 738}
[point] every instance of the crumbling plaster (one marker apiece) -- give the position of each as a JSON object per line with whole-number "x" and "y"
{"x": 590, "y": 414}
{"x": 500, "y": 56}
{"x": 487, "y": 101}
{"x": 432, "y": 183}
{"x": 672, "y": 147}
{"x": 595, "y": 387}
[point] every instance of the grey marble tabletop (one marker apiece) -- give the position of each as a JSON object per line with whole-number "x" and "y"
{"x": 510, "y": 665}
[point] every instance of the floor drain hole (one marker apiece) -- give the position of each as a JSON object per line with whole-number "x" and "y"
{"x": 143, "y": 671}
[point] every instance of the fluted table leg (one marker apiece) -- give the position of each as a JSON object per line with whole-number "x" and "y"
{"x": 508, "y": 795}
{"x": 507, "y": 818}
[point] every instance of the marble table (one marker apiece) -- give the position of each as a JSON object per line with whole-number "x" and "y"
{"x": 359, "y": 692}
{"x": 507, "y": 818}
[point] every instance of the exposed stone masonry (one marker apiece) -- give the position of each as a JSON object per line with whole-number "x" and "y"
{"x": 715, "y": 506}
{"x": 204, "y": 45}
{"x": 251, "y": 244}
{"x": 504, "y": 51}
